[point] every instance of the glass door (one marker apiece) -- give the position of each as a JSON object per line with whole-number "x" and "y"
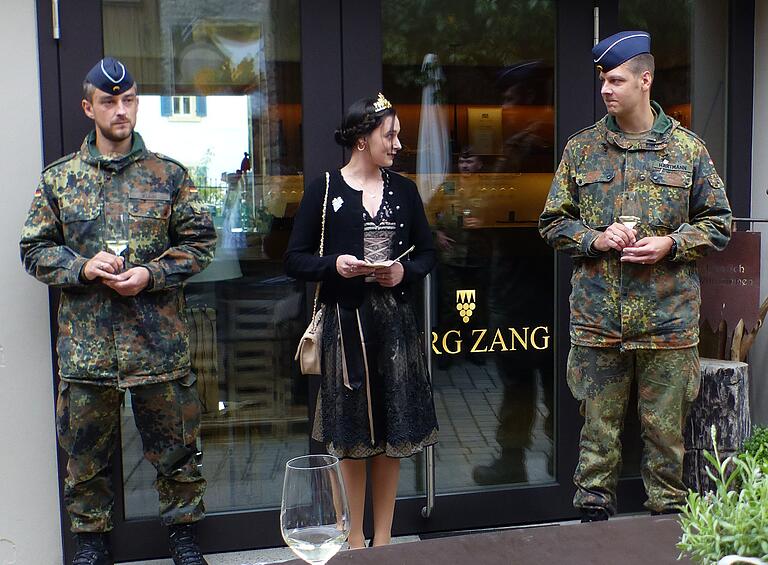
{"x": 474, "y": 87}
{"x": 221, "y": 91}
{"x": 477, "y": 115}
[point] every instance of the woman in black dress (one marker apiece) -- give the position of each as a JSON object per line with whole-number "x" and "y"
{"x": 376, "y": 399}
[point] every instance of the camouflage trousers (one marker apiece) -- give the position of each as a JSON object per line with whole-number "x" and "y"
{"x": 167, "y": 416}
{"x": 667, "y": 382}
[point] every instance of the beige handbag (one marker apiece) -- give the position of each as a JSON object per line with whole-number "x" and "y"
{"x": 311, "y": 343}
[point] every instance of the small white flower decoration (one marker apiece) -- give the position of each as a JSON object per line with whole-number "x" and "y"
{"x": 337, "y": 202}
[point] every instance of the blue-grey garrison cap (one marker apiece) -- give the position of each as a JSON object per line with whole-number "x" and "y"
{"x": 110, "y": 75}
{"x": 620, "y": 48}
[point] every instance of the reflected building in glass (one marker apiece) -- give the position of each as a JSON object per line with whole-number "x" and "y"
{"x": 220, "y": 92}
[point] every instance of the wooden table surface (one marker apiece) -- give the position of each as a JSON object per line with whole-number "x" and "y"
{"x": 642, "y": 540}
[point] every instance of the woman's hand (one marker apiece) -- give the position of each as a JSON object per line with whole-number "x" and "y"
{"x": 349, "y": 266}
{"x": 389, "y": 276}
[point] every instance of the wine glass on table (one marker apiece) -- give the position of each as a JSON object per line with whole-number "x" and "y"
{"x": 314, "y": 514}
{"x": 117, "y": 236}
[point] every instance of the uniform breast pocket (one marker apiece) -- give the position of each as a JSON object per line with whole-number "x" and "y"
{"x": 149, "y": 218}
{"x": 596, "y": 196}
{"x": 670, "y": 192}
{"x": 149, "y": 206}
{"x": 81, "y": 225}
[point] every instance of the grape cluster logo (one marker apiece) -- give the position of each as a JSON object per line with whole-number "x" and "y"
{"x": 465, "y": 304}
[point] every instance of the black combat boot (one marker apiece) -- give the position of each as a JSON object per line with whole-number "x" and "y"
{"x": 509, "y": 468}
{"x": 593, "y": 515}
{"x": 183, "y": 542}
{"x": 674, "y": 510}
{"x": 92, "y": 550}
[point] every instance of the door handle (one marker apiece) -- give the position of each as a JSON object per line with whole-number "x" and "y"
{"x": 429, "y": 451}
{"x": 55, "y": 19}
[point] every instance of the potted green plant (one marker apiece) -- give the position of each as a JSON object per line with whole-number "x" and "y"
{"x": 757, "y": 445}
{"x": 730, "y": 522}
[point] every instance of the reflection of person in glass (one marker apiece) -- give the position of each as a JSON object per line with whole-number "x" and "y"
{"x": 463, "y": 248}
{"x": 469, "y": 162}
{"x": 375, "y": 403}
{"x": 525, "y": 91}
{"x": 520, "y": 261}
{"x": 635, "y": 299}
{"x": 120, "y": 319}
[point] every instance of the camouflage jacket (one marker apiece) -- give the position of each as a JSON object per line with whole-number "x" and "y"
{"x": 104, "y": 337}
{"x": 624, "y": 305}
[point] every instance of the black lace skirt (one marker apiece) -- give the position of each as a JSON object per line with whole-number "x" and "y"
{"x": 401, "y": 420}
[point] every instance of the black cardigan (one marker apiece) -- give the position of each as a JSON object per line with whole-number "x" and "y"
{"x": 344, "y": 236}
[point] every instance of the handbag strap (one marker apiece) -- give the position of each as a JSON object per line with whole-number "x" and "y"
{"x": 322, "y": 240}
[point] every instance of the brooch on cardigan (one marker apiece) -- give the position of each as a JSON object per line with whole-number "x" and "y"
{"x": 337, "y": 202}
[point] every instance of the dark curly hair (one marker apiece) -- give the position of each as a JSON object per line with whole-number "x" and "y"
{"x": 360, "y": 120}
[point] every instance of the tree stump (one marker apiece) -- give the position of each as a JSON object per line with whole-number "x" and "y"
{"x": 723, "y": 401}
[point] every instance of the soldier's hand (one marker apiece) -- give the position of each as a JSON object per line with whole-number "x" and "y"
{"x": 617, "y": 236}
{"x": 443, "y": 241}
{"x": 648, "y": 250}
{"x": 103, "y": 265}
{"x": 130, "y": 282}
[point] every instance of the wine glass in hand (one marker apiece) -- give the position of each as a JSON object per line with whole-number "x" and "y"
{"x": 314, "y": 515}
{"x": 117, "y": 236}
{"x": 631, "y": 209}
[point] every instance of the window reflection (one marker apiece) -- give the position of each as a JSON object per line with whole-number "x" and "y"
{"x": 220, "y": 92}
{"x": 473, "y": 86}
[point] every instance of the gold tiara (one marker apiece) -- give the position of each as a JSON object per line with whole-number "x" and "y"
{"x": 381, "y": 103}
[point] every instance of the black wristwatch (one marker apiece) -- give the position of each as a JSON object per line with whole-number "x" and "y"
{"x": 673, "y": 249}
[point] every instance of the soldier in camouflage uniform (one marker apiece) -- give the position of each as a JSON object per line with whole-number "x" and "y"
{"x": 635, "y": 299}
{"x": 121, "y": 317}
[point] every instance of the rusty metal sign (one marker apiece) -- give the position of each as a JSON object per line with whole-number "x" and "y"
{"x": 730, "y": 283}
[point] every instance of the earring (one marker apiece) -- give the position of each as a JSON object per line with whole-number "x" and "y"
{"x": 361, "y": 145}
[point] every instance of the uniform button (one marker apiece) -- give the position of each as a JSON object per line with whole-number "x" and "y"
{"x": 642, "y": 177}
{"x": 399, "y": 242}
{"x": 402, "y": 225}
{"x": 397, "y": 207}
{"x": 390, "y": 193}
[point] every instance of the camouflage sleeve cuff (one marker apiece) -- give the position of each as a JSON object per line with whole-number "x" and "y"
{"x": 151, "y": 282}
{"x": 587, "y": 241}
{"x": 156, "y": 276}
{"x": 77, "y": 271}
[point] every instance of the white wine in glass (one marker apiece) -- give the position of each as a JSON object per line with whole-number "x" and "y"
{"x": 316, "y": 544}
{"x": 117, "y": 246}
{"x": 629, "y": 221}
{"x": 314, "y": 514}
{"x": 117, "y": 236}
{"x": 631, "y": 209}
